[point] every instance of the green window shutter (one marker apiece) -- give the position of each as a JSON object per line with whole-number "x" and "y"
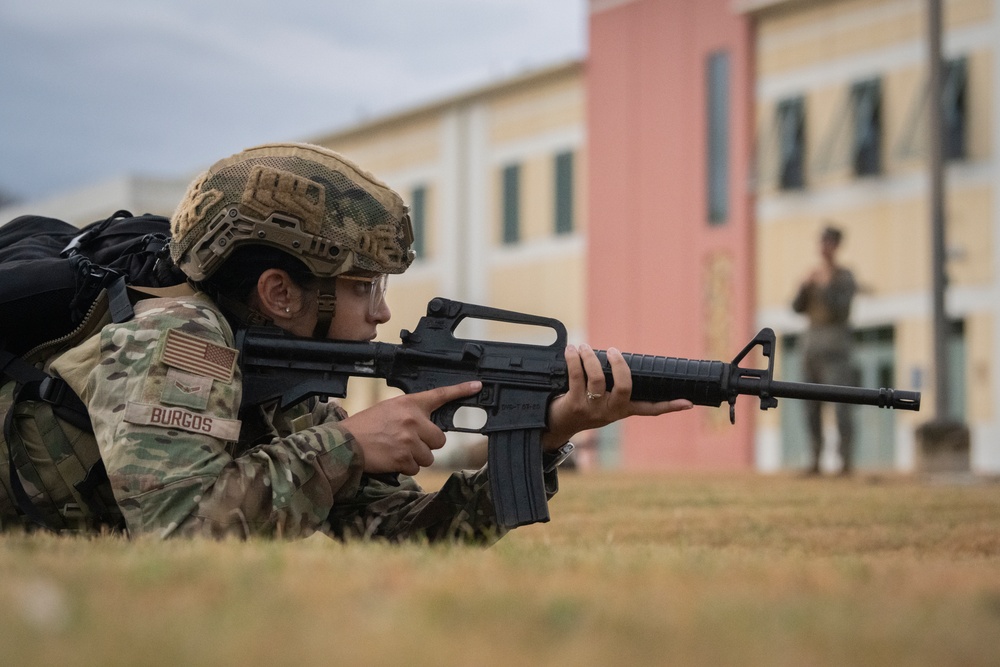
{"x": 866, "y": 110}
{"x": 954, "y": 108}
{"x": 511, "y": 204}
{"x": 418, "y": 218}
{"x": 564, "y": 192}
{"x": 791, "y": 142}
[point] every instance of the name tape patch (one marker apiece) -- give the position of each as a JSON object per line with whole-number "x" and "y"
{"x": 199, "y": 356}
{"x": 144, "y": 414}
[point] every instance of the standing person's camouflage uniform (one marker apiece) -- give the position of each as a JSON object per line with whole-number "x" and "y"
{"x": 827, "y": 357}
{"x": 163, "y": 389}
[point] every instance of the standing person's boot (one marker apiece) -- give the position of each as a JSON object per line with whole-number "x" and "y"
{"x": 813, "y": 469}
{"x": 846, "y": 455}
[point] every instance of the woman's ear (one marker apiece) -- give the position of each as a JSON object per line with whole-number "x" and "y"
{"x": 278, "y": 297}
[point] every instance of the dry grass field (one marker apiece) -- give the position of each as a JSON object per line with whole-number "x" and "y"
{"x": 633, "y": 570}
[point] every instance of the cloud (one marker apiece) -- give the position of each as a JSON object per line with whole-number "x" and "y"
{"x": 99, "y": 88}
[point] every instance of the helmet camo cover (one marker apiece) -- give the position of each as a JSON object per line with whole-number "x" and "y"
{"x": 306, "y": 200}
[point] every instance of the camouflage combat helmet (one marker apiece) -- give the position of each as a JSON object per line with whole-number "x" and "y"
{"x": 306, "y": 200}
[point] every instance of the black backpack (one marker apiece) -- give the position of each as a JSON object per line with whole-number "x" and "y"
{"x": 58, "y": 285}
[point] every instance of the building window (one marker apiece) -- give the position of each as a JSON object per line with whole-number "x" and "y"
{"x": 792, "y": 143}
{"x": 564, "y": 192}
{"x": 511, "y": 204}
{"x": 866, "y": 111}
{"x": 418, "y": 218}
{"x": 954, "y": 79}
{"x": 717, "y": 85}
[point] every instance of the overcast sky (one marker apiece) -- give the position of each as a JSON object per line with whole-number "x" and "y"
{"x": 92, "y": 89}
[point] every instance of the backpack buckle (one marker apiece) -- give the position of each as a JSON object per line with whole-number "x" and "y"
{"x": 72, "y": 512}
{"x": 52, "y": 390}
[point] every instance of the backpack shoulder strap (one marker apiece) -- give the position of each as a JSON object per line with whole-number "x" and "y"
{"x": 37, "y": 385}
{"x": 183, "y": 289}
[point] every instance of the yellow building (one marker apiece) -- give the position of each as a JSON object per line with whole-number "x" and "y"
{"x": 494, "y": 180}
{"x": 841, "y": 112}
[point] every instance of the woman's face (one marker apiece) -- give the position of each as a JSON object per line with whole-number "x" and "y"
{"x": 360, "y": 307}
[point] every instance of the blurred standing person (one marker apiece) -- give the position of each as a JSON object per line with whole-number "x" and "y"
{"x": 825, "y": 298}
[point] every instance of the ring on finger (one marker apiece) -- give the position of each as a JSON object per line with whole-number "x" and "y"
{"x": 592, "y": 396}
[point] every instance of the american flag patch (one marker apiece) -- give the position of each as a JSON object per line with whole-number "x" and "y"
{"x": 198, "y": 356}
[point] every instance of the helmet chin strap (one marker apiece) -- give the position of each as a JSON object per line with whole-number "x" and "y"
{"x": 327, "y": 302}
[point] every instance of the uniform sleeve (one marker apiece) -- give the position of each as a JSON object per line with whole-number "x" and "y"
{"x": 839, "y": 294}
{"x": 399, "y": 510}
{"x": 800, "y": 304}
{"x": 395, "y": 508}
{"x": 166, "y": 426}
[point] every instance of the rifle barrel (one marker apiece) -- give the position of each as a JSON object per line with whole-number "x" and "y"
{"x": 884, "y": 397}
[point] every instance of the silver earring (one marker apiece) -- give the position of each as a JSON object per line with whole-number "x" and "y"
{"x": 288, "y": 310}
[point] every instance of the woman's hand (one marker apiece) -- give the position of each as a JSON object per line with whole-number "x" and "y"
{"x": 589, "y": 404}
{"x": 397, "y": 435}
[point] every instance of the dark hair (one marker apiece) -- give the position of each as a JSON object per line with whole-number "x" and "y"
{"x": 832, "y": 233}
{"x": 235, "y": 281}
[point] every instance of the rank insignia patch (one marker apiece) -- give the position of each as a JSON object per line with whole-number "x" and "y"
{"x": 186, "y": 389}
{"x": 199, "y": 356}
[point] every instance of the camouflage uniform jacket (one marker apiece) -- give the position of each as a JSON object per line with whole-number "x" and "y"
{"x": 828, "y": 309}
{"x": 163, "y": 391}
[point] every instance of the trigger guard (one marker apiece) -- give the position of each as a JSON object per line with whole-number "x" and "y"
{"x": 444, "y": 417}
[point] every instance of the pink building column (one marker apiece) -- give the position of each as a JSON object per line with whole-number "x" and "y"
{"x": 662, "y": 277}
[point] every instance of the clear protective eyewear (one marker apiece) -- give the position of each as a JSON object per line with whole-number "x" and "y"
{"x": 372, "y": 287}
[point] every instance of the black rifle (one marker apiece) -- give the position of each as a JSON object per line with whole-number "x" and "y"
{"x": 519, "y": 380}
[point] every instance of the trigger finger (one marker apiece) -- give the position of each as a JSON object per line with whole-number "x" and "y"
{"x": 432, "y": 399}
